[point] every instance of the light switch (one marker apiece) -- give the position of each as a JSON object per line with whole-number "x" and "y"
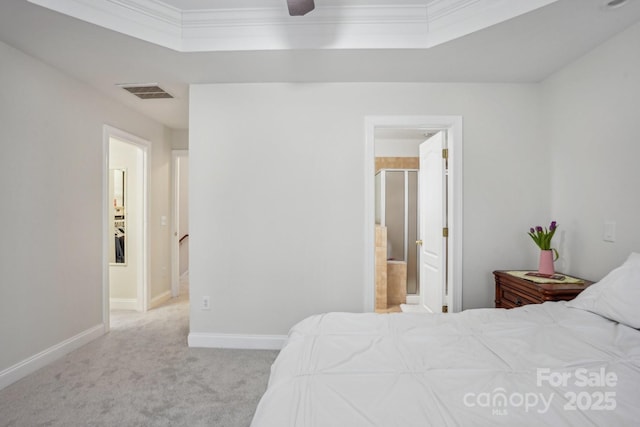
{"x": 163, "y": 220}
{"x": 609, "y": 231}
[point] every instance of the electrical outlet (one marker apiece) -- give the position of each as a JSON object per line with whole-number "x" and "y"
{"x": 206, "y": 303}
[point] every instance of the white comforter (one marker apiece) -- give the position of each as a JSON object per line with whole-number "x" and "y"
{"x": 538, "y": 365}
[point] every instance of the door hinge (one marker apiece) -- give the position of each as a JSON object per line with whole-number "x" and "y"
{"x": 445, "y": 153}
{"x": 445, "y": 308}
{"x": 445, "y": 232}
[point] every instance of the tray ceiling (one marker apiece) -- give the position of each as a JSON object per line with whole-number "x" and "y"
{"x": 224, "y": 25}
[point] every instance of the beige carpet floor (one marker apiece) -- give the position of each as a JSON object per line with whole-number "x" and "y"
{"x": 142, "y": 374}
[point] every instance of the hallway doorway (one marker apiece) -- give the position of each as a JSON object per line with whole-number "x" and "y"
{"x": 180, "y": 230}
{"x": 126, "y": 241}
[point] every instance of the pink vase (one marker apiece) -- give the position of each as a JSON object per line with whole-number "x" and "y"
{"x": 546, "y": 262}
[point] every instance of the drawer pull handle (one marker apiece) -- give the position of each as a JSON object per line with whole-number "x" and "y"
{"x": 518, "y": 301}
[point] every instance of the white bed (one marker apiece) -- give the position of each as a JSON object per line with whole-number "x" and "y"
{"x": 553, "y": 364}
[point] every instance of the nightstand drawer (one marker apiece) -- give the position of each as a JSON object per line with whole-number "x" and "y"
{"x": 515, "y": 299}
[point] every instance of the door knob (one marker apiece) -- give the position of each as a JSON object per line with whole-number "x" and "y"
{"x": 419, "y": 242}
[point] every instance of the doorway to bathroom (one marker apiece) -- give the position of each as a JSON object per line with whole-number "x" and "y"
{"x": 426, "y": 270}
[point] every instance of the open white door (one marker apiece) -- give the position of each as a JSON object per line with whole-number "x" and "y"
{"x": 433, "y": 214}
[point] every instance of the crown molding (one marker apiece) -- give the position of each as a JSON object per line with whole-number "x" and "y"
{"x": 328, "y": 27}
{"x": 451, "y": 19}
{"x": 346, "y": 27}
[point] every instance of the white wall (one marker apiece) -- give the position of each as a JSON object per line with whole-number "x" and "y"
{"x": 179, "y": 139}
{"x": 277, "y": 203}
{"x": 397, "y": 147}
{"x": 160, "y": 184}
{"x": 592, "y": 121}
{"x": 51, "y": 131}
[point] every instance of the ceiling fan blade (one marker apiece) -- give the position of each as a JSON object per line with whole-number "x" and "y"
{"x": 300, "y": 7}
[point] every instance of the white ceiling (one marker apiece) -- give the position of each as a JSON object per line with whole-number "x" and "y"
{"x": 527, "y": 48}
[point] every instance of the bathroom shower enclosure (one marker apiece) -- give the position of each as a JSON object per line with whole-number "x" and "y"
{"x": 397, "y": 209}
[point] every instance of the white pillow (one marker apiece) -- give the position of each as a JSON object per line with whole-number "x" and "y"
{"x": 616, "y": 296}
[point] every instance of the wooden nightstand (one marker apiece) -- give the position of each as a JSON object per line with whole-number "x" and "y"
{"x": 513, "y": 291}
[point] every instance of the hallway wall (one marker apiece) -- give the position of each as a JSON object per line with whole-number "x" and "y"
{"x": 51, "y": 129}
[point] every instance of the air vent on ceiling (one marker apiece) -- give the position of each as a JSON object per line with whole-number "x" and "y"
{"x": 146, "y": 91}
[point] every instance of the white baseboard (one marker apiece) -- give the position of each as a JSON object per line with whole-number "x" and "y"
{"x": 252, "y": 342}
{"x": 123, "y": 304}
{"x": 37, "y": 361}
{"x": 160, "y": 299}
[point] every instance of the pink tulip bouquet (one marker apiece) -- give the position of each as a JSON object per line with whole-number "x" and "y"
{"x": 543, "y": 236}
